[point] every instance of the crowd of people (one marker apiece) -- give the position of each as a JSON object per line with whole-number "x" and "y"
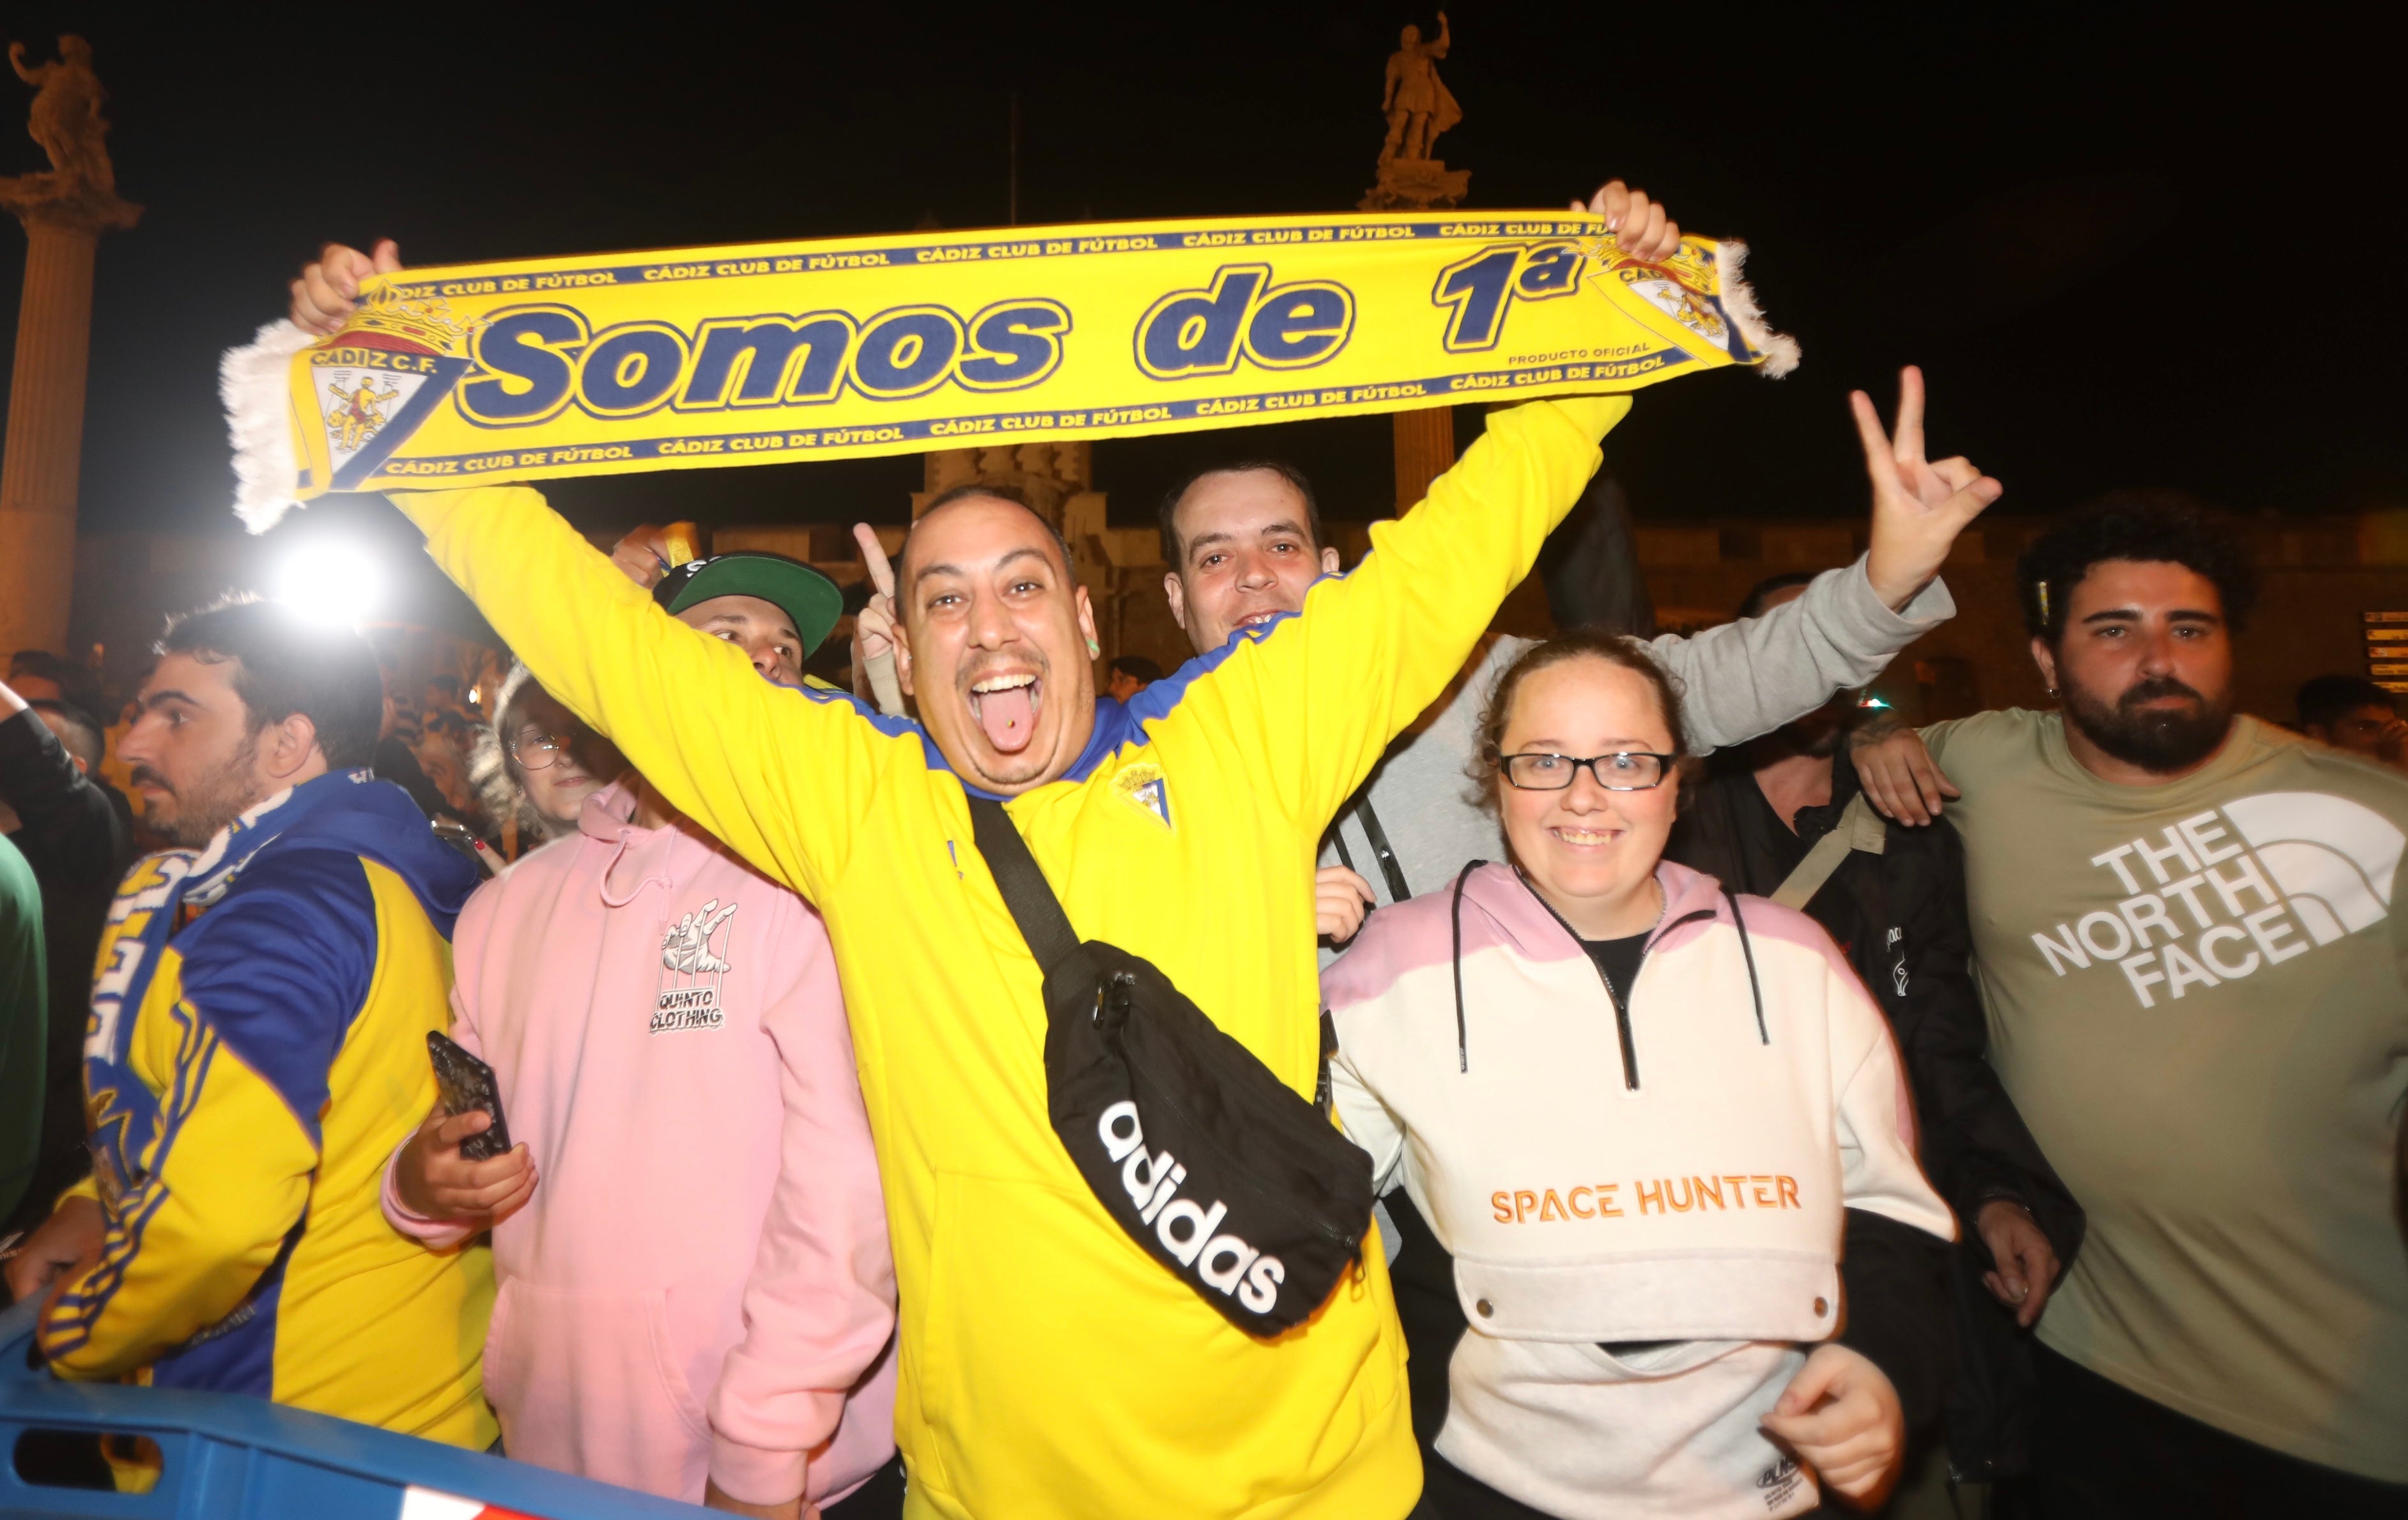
{"x": 670, "y": 1068}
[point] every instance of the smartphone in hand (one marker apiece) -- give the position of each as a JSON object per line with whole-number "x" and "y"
{"x": 464, "y": 1084}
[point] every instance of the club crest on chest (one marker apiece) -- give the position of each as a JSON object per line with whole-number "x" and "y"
{"x": 1143, "y": 787}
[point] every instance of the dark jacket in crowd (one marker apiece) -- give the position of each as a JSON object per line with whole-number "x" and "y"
{"x": 1900, "y": 917}
{"x": 393, "y": 762}
{"x": 71, "y": 834}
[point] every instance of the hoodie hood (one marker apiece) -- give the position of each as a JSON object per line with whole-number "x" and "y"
{"x": 355, "y": 812}
{"x": 1691, "y": 898}
{"x": 607, "y": 815}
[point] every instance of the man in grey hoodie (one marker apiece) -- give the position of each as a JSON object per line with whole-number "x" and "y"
{"x": 1245, "y": 542}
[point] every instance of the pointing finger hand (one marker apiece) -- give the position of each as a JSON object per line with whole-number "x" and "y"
{"x": 873, "y": 556}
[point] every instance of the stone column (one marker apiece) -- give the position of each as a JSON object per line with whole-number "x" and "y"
{"x": 1425, "y": 451}
{"x": 44, "y": 452}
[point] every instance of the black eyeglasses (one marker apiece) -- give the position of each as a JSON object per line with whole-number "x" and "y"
{"x": 1624, "y": 770}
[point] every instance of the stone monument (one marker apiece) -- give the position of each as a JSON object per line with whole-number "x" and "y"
{"x": 1057, "y": 479}
{"x": 1419, "y": 107}
{"x": 65, "y": 211}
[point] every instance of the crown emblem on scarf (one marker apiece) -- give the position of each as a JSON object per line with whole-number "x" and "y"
{"x": 422, "y": 320}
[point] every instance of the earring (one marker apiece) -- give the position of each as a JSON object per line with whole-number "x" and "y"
{"x": 1093, "y": 648}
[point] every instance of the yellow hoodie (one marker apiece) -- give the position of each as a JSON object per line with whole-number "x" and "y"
{"x": 1050, "y": 1368}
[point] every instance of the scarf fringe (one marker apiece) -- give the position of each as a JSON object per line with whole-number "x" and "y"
{"x": 1781, "y": 351}
{"x": 253, "y": 383}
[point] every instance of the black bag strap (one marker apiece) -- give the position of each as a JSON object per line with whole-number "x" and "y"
{"x": 1025, "y": 891}
{"x": 1398, "y": 889}
{"x": 1359, "y": 807}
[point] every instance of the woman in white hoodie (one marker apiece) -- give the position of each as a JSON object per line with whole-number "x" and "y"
{"x": 1642, "y": 1115}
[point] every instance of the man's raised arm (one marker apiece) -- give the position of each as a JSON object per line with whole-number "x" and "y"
{"x": 780, "y": 774}
{"x": 68, "y": 832}
{"x": 1317, "y": 697}
{"x": 720, "y": 742}
{"x": 1748, "y": 677}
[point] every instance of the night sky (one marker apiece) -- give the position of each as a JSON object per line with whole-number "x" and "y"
{"x": 2129, "y": 246}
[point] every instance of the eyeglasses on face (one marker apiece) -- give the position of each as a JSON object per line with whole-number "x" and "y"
{"x": 534, "y": 751}
{"x": 1624, "y": 770}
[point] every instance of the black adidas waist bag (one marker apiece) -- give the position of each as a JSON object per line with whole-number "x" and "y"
{"x": 1240, "y": 1187}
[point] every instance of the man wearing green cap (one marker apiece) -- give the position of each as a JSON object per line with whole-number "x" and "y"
{"x": 775, "y": 610}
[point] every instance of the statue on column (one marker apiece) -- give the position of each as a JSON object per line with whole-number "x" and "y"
{"x": 67, "y": 123}
{"x": 1419, "y": 107}
{"x": 1417, "y": 101}
{"x": 64, "y": 210}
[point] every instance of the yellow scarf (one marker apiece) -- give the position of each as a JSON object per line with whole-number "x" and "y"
{"x": 596, "y": 366}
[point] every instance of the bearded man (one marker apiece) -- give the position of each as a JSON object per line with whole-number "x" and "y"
{"x": 2187, "y": 935}
{"x": 258, "y": 1048}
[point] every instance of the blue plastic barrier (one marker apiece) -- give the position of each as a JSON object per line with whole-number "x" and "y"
{"x": 227, "y": 1457}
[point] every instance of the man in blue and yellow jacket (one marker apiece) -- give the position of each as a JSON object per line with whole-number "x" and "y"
{"x": 256, "y": 1051}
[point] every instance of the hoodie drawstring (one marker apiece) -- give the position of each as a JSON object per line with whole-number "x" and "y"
{"x": 613, "y": 864}
{"x": 1462, "y": 1042}
{"x": 1749, "y": 951}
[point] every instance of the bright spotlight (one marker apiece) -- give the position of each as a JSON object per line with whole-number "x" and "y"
{"x": 334, "y": 582}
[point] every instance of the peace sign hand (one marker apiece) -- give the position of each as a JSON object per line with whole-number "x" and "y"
{"x": 873, "y": 628}
{"x": 1918, "y": 506}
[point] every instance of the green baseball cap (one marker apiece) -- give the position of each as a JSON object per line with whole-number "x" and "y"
{"x": 804, "y": 595}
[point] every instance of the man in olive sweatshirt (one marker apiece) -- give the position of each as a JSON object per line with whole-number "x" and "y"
{"x": 2187, "y": 935}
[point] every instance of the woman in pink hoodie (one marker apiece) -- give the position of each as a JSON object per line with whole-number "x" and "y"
{"x": 697, "y": 1299}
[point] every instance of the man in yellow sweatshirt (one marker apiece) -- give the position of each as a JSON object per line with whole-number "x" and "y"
{"x": 1049, "y": 1367}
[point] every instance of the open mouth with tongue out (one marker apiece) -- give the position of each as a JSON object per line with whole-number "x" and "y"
{"x": 1005, "y": 708}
